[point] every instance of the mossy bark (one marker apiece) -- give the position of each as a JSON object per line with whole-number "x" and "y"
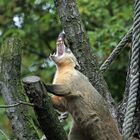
{"x": 44, "y": 110}
{"x": 11, "y": 90}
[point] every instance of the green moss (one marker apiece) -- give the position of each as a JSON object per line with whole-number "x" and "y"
{"x": 11, "y": 46}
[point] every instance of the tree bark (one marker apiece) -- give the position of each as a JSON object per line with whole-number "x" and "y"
{"x": 11, "y": 90}
{"x": 78, "y": 40}
{"x": 44, "y": 110}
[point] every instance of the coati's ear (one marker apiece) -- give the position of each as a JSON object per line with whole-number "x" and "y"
{"x": 59, "y": 90}
{"x": 76, "y": 62}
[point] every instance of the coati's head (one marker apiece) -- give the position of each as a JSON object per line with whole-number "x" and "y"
{"x": 63, "y": 56}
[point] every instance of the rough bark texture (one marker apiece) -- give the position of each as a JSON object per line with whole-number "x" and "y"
{"x": 76, "y": 36}
{"x": 11, "y": 90}
{"x": 44, "y": 110}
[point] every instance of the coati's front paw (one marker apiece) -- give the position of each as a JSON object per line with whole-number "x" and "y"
{"x": 63, "y": 116}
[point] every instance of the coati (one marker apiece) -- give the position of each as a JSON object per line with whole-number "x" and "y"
{"x": 74, "y": 93}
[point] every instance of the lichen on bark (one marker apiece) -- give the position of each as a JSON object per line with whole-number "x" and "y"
{"x": 11, "y": 89}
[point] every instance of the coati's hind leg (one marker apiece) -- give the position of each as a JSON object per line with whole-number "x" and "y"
{"x": 58, "y": 103}
{"x": 95, "y": 130}
{"x": 76, "y": 134}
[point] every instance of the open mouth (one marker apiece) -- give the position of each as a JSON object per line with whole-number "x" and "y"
{"x": 60, "y": 46}
{"x": 60, "y": 50}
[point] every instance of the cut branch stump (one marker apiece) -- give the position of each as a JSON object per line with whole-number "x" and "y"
{"x": 46, "y": 115}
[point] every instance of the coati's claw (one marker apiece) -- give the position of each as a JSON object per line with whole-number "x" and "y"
{"x": 63, "y": 116}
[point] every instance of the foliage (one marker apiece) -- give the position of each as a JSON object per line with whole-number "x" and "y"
{"x": 4, "y": 123}
{"x": 37, "y": 23}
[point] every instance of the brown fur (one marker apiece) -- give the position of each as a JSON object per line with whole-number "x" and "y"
{"x": 91, "y": 117}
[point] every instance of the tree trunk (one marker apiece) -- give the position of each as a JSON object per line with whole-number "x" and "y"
{"x": 44, "y": 110}
{"x": 11, "y": 90}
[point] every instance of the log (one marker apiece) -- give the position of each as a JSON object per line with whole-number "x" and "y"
{"x": 46, "y": 115}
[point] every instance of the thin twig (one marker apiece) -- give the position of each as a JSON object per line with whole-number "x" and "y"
{"x": 16, "y": 104}
{"x": 3, "y": 133}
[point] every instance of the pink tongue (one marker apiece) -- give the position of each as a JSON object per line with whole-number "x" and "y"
{"x": 60, "y": 49}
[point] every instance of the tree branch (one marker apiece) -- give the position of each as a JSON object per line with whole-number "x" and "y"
{"x": 16, "y": 104}
{"x": 4, "y": 135}
{"x": 77, "y": 38}
{"x": 11, "y": 90}
{"x": 44, "y": 110}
